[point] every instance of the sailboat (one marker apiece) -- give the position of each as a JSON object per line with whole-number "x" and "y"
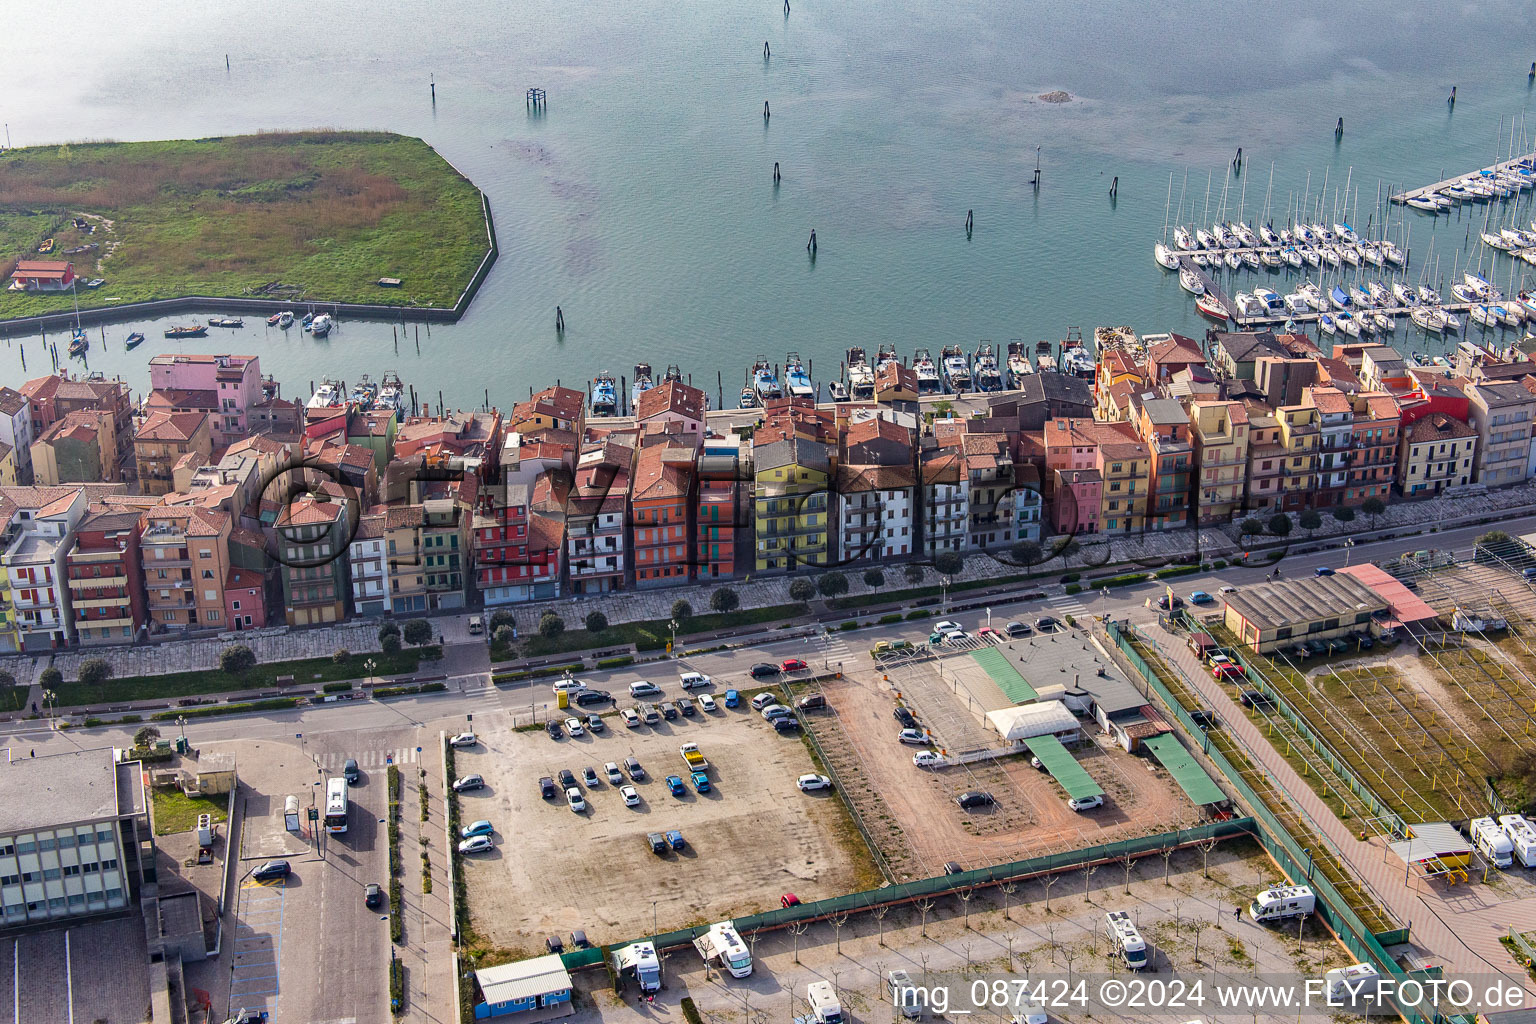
{"x": 1190, "y": 281}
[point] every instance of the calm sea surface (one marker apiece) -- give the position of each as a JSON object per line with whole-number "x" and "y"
{"x": 643, "y": 202}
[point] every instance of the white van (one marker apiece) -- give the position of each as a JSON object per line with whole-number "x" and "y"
{"x": 823, "y": 1000}
{"x": 1492, "y": 843}
{"x": 476, "y": 625}
{"x": 1283, "y": 902}
{"x": 907, "y": 998}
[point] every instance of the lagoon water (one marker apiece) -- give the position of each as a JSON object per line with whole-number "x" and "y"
{"x": 642, "y": 201}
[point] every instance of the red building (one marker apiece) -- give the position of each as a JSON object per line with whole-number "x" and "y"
{"x": 245, "y": 599}
{"x": 43, "y": 275}
{"x": 106, "y": 584}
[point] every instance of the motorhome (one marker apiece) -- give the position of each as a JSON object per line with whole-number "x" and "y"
{"x": 638, "y": 960}
{"x": 1347, "y": 984}
{"x": 906, "y": 997}
{"x": 1125, "y": 939}
{"x": 1521, "y": 836}
{"x": 722, "y": 944}
{"x": 1492, "y": 843}
{"x": 822, "y": 998}
{"x": 1285, "y": 901}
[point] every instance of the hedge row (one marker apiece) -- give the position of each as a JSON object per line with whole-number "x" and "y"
{"x": 618, "y": 662}
{"x": 275, "y": 704}
{"x": 401, "y": 691}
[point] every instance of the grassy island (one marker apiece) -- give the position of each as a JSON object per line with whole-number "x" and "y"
{"x": 303, "y": 216}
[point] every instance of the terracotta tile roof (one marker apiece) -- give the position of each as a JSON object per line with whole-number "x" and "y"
{"x": 41, "y": 389}
{"x": 168, "y": 399}
{"x": 105, "y": 517}
{"x": 868, "y": 430}
{"x": 257, "y": 443}
{"x": 795, "y": 451}
{"x": 370, "y": 527}
{"x": 402, "y": 517}
{"x": 170, "y": 426}
{"x": 1177, "y": 349}
{"x": 896, "y": 375}
{"x": 199, "y": 522}
{"x": 306, "y": 511}
{"x": 662, "y": 471}
{"x": 1380, "y": 406}
{"x": 556, "y": 402}
{"x": 87, "y": 390}
{"x": 941, "y": 466}
{"x": 1438, "y": 426}
{"x": 1330, "y": 401}
{"x": 243, "y": 579}
{"x": 40, "y": 497}
{"x": 673, "y": 396}
{"x": 854, "y": 479}
{"x": 12, "y": 402}
{"x": 547, "y": 530}
{"x": 80, "y": 425}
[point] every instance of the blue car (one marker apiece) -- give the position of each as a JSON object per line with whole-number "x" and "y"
{"x": 701, "y": 782}
{"x": 675, "y": 839}
{"x": 478, "y": 828}
{"x": 675, "y": 784}
{"x": 1201, "y": 597}
{"x": 1322, "y": 570}
{"x": 732, "y": 698}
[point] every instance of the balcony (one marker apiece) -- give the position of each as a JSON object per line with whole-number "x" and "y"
{"x": 91, "y": 582}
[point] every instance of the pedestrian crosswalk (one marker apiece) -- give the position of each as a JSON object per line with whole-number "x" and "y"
{"x": 1068, "y": 604}
{"x": 367, "y": 759}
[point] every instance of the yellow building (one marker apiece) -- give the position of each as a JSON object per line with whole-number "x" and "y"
{"x": 1126, "y": 468}
{"x": 8, "y": 470}
{"x": 1220, "y": 432}
{"x": 790, "y": 504}
{"x": 1300, "y": 435}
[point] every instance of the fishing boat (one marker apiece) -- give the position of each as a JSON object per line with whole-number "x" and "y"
{"x": 861, "y": 379}
{"x": 643, "y": 382}
{"x": 1339, "y": 297}
{"x": 78, "y": 343}
{"x": 988, "y": 376}
{"x": 765, "y": 383}
{"x": 1271, "y": 302}
{"x": 1076, "y": 362}
{"x": 1018, "y": 362}
{"x": 928, "y": 379}
{"x": 285, "y": 319}
{"x": 1165, "y": 257}
{"x": 796, "y": 381}
{"x": 391, "y": 397}
{"x": 321, "y": 325}
{"x": 193, "y": 331}
{"x": 884, "y": 356}
{"x": 133, "y": 339}
{"x": 364, "y": 392}
{"x": 1190, "y": 281}
{"x": 1208, "y": 305}
{"x": 748, "y": 398}
{"x": 837, "y": 390}
{"x": 957, "y": 375}
{"x": 225, "y": 321}
{"x": 327, "y": 395}
{"x": 605, "y": 394}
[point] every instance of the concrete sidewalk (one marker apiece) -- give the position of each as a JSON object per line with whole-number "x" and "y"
{"x": 426, "y": 950}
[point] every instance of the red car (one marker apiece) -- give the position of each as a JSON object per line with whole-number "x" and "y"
{"x": 791, "y": 665}
{"x": 789, "y": 899}
{"x": 1227, "y": 671}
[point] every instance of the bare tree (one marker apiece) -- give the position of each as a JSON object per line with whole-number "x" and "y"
{"x": 966, "y": 945}
{"x": 1088, "y": 870}
{"x": 1009, "y": 940}
{"x": 1127, "y": 861}
{"x": 1199, "y": 927}
{"x": 880, "y": 912}
{"x": 1167, "y": 853}
{"x": 1050, "y": 933}
{"x": 838, "y": 920}
{"x": 1205, "y": 857}
{"x": 1070, "y": 954}
{"x": 1026, "y": 960}
{"x": 925, "y": 906}
{"x": 1048, "y": 881}
{"x": 965, "y": 901}
{"x": 798, "y": 929}
{"x": 1008, "y": 888}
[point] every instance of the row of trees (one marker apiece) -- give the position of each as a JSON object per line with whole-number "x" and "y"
{"x": 1279, "y": 524}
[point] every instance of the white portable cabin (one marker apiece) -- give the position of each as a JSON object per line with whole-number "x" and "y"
{"x": 1347, "y": 984}
{"x": 823, "y": 1000}
{"x": 1126, "y": 939}
{"x": 1521, "y": 836}
{"x": 723, "y": 943}
{"x": 1492, "y": 843}
{"x": 1285, "y": 901}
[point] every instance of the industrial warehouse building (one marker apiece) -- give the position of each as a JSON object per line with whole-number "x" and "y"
{"x": 1268, "y": 616}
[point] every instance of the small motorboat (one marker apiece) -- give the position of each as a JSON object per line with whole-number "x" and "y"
{"x": 309, "y": 318}
{"x": 225, "y": 321}
{"x": 285, "y": 319}
{"x": 1296, "y": 304}
{"x": 837, "y": 390}
{"x": 748, "y": 398}
{"x": 1271, "y": 302}
{"x": 193, "y": 331}
{"x": 96, "y": 282}
{"x": 274, "y": 319}
{"x": 1248, "y": 306}
{"x": 133, "y": 339}
{"x": 1271, "y": 258}
{"x": 1208, "y": 305}
{"x": 605, "y": 394}
{"x": 1424, "y": 203}
{"x": 321, "y": 325}
{"x": 78, "y": 343}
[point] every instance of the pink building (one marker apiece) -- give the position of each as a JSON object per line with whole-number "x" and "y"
{"x": 678, "y": 406}
{"x": 234, "y": 381}
{"x": 1076, "y": 506}
{"x": 245, "y": 599}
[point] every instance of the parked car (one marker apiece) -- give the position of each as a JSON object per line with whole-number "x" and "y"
{"x": 553, "y": 728}
{"x": 1037, "y": 764}
{"x": 468, "y": 783}
{"x": 1045, "y": 622}
{"x": 1017, "y": 629}
{"x": 373, "y": 896}
{"x": 631, "y": 796}
{"x": 554, "y": 945}
{"x": 272, "y": 869}
{"x": 668, "y": 710}
{"x": 595, "y": 724}
{"x": 575, "y": 801}
{"x": 763, "y": 670}
{"x": 989, "y": 634}
{"x": 1166, "y": 605}
{"x": 589, "y": 776}
{"x": 1298, "y": 652}
{"x": 927, "y": 759}
{"x": 707, "y": 703}
{"x": 579, "y": 940}
{"x": 479, "y": 844}
{"x": 476, "y": 828}
{"x": 547, "y": 788}
{"x": 810, "y": 701}
{"x": 1322, "y": 570}
{"x": 685, "y": 706}
{"x": 975, "y": 798}
{"x": 1316, "y": 646}
{"x": 773, "y": 711}
{"x": 464, "y": 739}
{"x": 946, "y": 626}
{"x": 675, "y": 839}
{"x": 700, "y": 782}
{"x": 763, "y": 699}
{"x": 904, "y": 715}
{"x": 788, "y": 900}
{"x": 952, "y": 867}
{"x": 956, "y": 636}
{"x": 574, "y": 727}
{"x": 913, "y": 736}
{"x": 812, "y": 783}
{"x": 675, "y": 785}
{"x": 1227, "y": 671}
{"x": 657, "y": 842}
{"x": 1362, "y": 640}
{"x": 693, "y": 680}
{"x": 792, "y": 665}
{"x": 567, "y": 778}
{"x": 592, "y": 698}
{"x": 1256, "y": 699}
{"x": 732, "y": 698}
{"x": 1528, "y": 573}
{"x": 1338, "y": 645}
{"x": 1201, "y": 597}
{"x": 1086, "y": 803}
{"x": 632, "y": 766}
{"x": 1228, "y": 590}
{"x": 1204, "y": 719}
{"x": 611, "y": 769}
{"x": 786, "y": 723}
{"x": 642, "y": 688}
{"x": 630, "y": 717}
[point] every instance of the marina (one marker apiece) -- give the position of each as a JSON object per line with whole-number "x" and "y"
{"x": 1523, "y": 165}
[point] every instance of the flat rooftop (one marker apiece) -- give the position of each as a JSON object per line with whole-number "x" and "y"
{"x": 1288, "y": 602}
{"x": 1069, "y": 659}
{"x": 57, "y": 789}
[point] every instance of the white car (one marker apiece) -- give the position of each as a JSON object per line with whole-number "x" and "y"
{"x": 468, "y": 782}
{"x": 1086, "y": 803}
{"x": 631, "y": 717}
{"x": 479, "y": 844}
{"x": 631, "y": 796}
{"x": 956, "y": 636}
{"x": 611, "y": 769}
{"x": 574, "y": 727}
{"x": 811, "y": 783}
{"x": 707, "y": 703}
{"x": 927, "y": 759}
{"x": 574, "y": 800}
{"x": 1227, "y": 590}
{"x": 913, "y": 736}
{"x": 642, "y": 688}
{"x": 947, "y": 627}
{"x": 464, "y": 739}
{"x": 693, "y": 680}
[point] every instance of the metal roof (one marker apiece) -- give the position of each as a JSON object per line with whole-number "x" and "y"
{"x": 1432, "y": 840}
{"x": 1024, "y": 721}
{"x": 1270, "y": 606}
{"x": 1063, "y": 766}
{"x": 995, "y": 663}
{"x": 524, "y": 979}
{"x": 1186, "y": 771}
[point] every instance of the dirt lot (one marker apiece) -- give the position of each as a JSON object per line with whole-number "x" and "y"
{"x": 751, "y": 839}
{"x": 912, "y": 812}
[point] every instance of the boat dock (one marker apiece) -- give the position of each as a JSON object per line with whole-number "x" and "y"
{"x": 1403, "y": 197}
{"x": 1394, "y": 312}
{"x": 1211, "y": 287}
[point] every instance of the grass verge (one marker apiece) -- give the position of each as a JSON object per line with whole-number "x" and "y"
{"x": 650, "y": 635}
{"x": 177, "y": 812}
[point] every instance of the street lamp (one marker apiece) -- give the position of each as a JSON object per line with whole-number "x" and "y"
{"x": 181, "y": 720}
{"x": 673, "y": 625}
{"x": 1349, "y": 542}
{"x": 944, "y": 594}
{"x": 369, "y": 666}
{"x": 49, "y": 699}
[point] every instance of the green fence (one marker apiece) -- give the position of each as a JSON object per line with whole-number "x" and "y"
{"x": 1278, "y": 842}
{"x": 1259, "y": 681}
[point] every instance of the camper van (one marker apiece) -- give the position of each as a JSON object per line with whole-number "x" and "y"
{"x": 1279, "y": 904}
{"x": 1522, "y": 837}
{"x": 1348, "y": 984}
{"x": 723, "y": 943}
{"x": 1492, "y": 843}
{"x": 638, "y": 960}
{"x": 1125, "y": 939}
{"x": 823, "y": 1000}
{"x": 906, "y": 997}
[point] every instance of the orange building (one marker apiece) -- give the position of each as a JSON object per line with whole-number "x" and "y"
{"x": 660, "y": 503}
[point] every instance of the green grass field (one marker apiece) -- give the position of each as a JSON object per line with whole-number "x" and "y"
{"x": 177, "y": 812}
{"x": 323, "y": 214}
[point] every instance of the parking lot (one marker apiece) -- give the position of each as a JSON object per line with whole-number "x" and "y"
{"x": 752, "y": 838}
